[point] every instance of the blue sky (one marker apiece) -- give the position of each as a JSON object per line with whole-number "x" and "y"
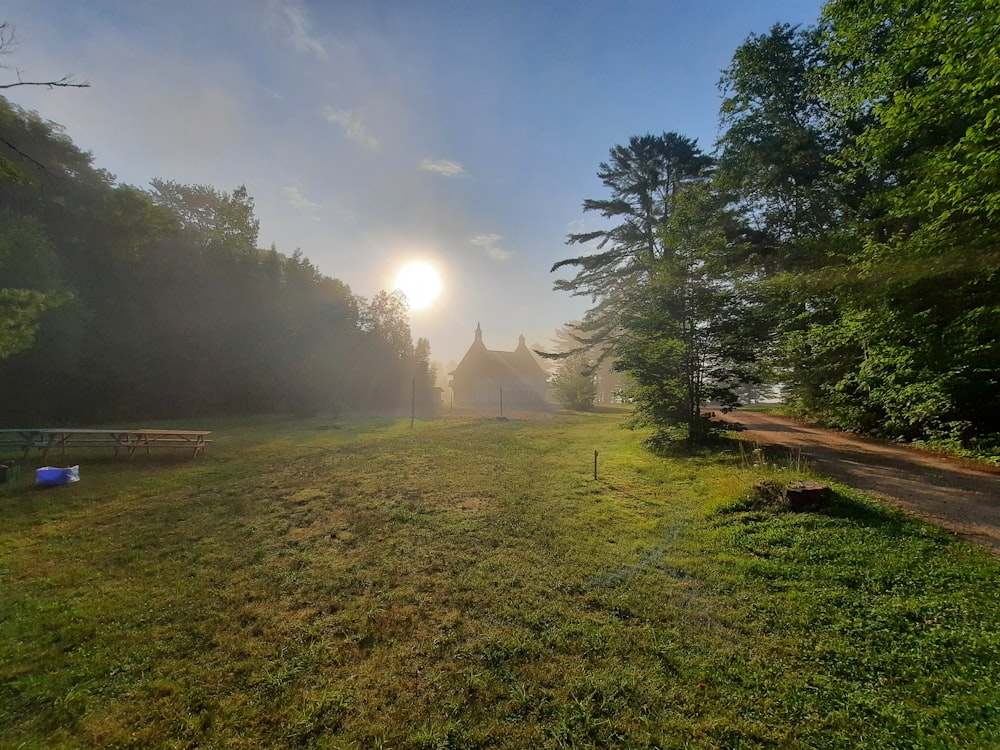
{"x": 372, "y": 133}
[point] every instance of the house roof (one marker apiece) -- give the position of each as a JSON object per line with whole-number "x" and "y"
{"x": 517, "y": 366}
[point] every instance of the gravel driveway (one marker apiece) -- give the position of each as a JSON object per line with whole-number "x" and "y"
{"x": 959, "y": 495}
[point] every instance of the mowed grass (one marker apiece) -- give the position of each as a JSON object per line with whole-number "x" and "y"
{"x": 466, "y": 583}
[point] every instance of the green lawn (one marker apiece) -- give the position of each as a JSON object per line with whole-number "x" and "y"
{"x": 468, "y": 584}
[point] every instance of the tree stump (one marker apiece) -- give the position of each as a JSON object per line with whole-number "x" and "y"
{"x": 806, "y": 496}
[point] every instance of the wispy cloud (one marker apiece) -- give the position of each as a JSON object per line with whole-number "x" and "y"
{"x": 299, "y": 33}
{"x": 488, "y": 242}
{"x": 353, "y": 127}
{"x": 444, "y": 167}
{"x": 294, "y": 196}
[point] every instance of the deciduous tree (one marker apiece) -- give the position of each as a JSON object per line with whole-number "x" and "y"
{"x": 219, "y": 221}
{"x": 30, "y": 282}
{"x": 918, "y": 84}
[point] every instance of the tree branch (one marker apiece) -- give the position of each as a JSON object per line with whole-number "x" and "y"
{"x": 8, "y": 40}
{"x": 64, "y": 82}
{"x": 20, "y": 153}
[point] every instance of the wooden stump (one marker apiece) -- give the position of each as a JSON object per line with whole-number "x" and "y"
{"x": 806, "y": 496}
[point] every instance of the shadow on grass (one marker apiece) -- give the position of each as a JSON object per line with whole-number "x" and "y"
{"x": 623, "y": 409}
{"x": 715, "y": 441}
{"x": 870, "y": 514}
{"x": 845, "y": 506}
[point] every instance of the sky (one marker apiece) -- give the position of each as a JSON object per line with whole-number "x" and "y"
{"x": 372, "y": 133}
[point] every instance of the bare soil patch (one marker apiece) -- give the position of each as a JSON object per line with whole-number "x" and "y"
{"x": 960, "y": 495}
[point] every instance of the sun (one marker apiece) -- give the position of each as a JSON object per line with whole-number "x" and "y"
{"x": 420, "y": 283}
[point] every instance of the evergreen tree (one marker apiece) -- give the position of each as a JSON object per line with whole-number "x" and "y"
{"x": 700, "y": 333}
{"x": 642, "y": 177}
{"x": 574, "y": 383}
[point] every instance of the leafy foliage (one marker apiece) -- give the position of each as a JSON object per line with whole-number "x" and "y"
{"x": 855, "y": 244}
{"x": 212, "y": 219}
{"x": 666, "y": 284}
{"x": 917, "y": 82}
{"x": 863, "y": 154}
{"x": 116, "y": 302}
{"x": 30, "y": 282}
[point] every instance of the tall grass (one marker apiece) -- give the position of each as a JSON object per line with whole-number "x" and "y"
{"x": 468, "y": 584}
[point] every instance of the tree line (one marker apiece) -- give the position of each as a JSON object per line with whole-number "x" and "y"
{"x": 124, "y": 303}
{"x": 841, "y": 239}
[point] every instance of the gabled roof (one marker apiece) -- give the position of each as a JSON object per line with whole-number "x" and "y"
{"x": 516, "y": 366}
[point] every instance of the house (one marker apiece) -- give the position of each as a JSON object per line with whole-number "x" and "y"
{"x": 484, "y": 377}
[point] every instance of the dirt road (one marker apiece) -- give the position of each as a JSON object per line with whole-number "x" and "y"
{"x": 962, "y": 496}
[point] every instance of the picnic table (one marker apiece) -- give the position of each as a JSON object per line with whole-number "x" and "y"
{"x": 127, "y": 441}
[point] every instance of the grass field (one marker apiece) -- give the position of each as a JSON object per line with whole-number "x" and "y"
{"x": 466, "y": 583}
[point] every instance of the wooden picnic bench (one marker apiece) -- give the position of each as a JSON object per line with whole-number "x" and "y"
{"x": 127, "y": 441}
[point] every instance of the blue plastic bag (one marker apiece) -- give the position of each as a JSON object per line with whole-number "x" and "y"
{"x": 51, "y": 475}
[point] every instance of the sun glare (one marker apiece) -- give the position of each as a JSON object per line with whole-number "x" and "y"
{"x": 420, "y": 283}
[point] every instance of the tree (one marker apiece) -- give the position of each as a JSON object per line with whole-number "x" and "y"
{"x": 386, "y": 318}
{"x": 424, "y": 378}
{"x": 7, "y": 42}
{"x": 796, "y": 209}
{"x": 776, "y": 147}
{"x": 918, "y": 85}
{"x": 863, "y": 154}
{"x": 387, "y": 362}
{"x": 170, "y": 281}
{"x": 699, "y": 334}
{"x": 215, "y": 220}
{"x": 8, "y": 167}
{"x": 309, "y": 330}
{"x": 569, "y": 341}
{"x": 574, "y": 383}
{"x": 643, "y": 177}
{"x": 19, "y": 313}
{"x": 30, "y": 282}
